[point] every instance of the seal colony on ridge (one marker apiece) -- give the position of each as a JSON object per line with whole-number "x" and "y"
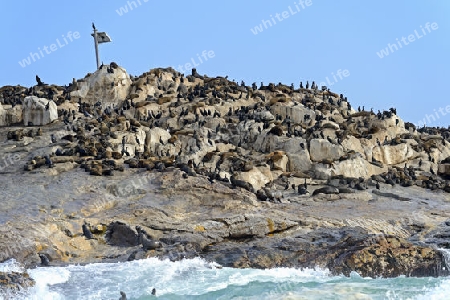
{"x": 281, "y": 145}
{"x": 307, "y": 114}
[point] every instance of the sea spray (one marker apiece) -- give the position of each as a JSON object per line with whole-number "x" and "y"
{"x": 446, "y": 254}
{"x": 199, "y": 279}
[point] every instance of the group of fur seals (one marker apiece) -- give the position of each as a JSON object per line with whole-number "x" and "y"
{"x": 329, "y": 119}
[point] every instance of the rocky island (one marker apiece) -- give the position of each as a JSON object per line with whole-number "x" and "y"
{"x": 114, "y": 167}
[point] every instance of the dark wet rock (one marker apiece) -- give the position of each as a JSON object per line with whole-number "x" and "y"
{"x": 387, "y": 255}
{"x": 14, "y": 281}
{"x": 120, "y": 234}
{"x": 340, "y": 251}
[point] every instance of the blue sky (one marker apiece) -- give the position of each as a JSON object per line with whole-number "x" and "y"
{"x": 309, "y": 41}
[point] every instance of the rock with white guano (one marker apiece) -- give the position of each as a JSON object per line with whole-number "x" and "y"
{"x": 39, "y": 111}
{"x": 109, "y": 88}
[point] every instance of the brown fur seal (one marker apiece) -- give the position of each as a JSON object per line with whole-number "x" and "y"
{"x": 86, "y": 232}
{"x": 326, "y": 190}
{"x": 44, "y": 260}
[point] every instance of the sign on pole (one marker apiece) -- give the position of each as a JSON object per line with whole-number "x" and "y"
{"x": 99, "y": 37}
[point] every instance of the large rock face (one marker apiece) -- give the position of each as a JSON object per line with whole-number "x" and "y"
{"x": 2, "y": 116}
{"x": 299, "y": 161}
{"x": 14, "y": 115}
{"x": 321, "y": 149}
{"x": 392, "y": 155}
{"x": 357, "y": 167}
{"x": 10, "y": 115}
{"x": 153, "y": 138}
{"x": 109, "y": 88}
{"x": 297, "y": 113}
{"x": 352, "y": 143}
{"x": 38, "y": 111}
{"x": 257, "y": 177}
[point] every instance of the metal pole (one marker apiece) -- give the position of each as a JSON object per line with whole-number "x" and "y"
{"x": 96, "y": 48}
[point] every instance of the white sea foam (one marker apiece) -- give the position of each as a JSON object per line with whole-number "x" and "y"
{"x": 440, "y": 292}
{"x": 11, "y": 265}
{"x": 198, "y": 279}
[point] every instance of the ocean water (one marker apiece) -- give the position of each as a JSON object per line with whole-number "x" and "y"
{"x": 198, "y": 279}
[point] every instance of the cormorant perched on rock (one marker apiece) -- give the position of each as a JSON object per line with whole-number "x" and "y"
{"x": 48, "y": 161}
{"x": 302, "y": 190}
{"x": 126, "y": 152}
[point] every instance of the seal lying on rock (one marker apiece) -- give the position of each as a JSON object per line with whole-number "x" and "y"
{"x": 147, "y": 242}
{"x": 86, "y": 232}
{"x": 241, "y": 183}
{"x": 326, "y": 190}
